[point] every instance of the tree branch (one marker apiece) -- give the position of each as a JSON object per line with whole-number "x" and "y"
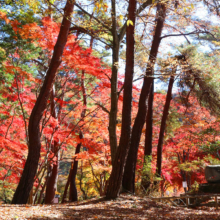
{"x": 182, "y": 34}
{"x": 91, "y": 16}
{"x": 139, "y": 10}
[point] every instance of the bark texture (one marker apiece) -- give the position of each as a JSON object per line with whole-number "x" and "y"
{"x": 149, "y": 124}
{"x": 128, "y": 183}
{"x": 114, "y": 85}
{"x": 163, "y": 126}
{"x": 27, "y": 179}
{"x": 148, "y": 137}
{"x": 122, "y": 151}
{"x": 52, "y": 181}
{"x": 53, "y": 169}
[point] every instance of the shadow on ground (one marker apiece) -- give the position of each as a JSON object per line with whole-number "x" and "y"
{"x": 128, "y": 207}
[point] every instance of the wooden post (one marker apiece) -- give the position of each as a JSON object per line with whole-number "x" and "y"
{"x": 187, "y": 202}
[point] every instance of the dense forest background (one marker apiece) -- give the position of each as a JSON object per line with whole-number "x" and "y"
{"x": 100, "y": 97}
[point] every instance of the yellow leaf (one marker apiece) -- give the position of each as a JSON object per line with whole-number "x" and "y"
{"x": 121, "y": 17}
{"x": 130, "y": 22}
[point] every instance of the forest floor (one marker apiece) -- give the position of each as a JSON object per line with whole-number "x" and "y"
{"x": 125, "y": 207}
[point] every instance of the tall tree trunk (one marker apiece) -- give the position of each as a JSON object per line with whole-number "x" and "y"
{"x": 74, "y": 166}
{"x": 80, "y": 182}
{"x": 149, "y": 124}
{"x": 39, "y": 184}
{"x": 145, "y": 181}
{"x": 27, "y": 179}
{"x": 122, "y": 151}
{"x": 117, "y": 38}
{"x": 129, "y": 173}
{"x": 53, "y": 177}
{"x": 66, "y": 186}
{"x": 163, "y": 126}
{"x": 53, "y": 174}
{"x": 51, "y": 186}
{"x": 114, "y": 85}
{"x": 73, "y": 191}
{"x": 42, "y": 191}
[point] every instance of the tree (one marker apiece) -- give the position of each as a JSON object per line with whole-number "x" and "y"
{"x": 26, "y": 49}
{"x": 51, "y": 186}
{"x": 163, "y": 126}
{"x": 148, "y": 136}
{"x": 27, "y": 179}
{"x": 122, "y": 151}
{"x": 129, "y": 174}
{"x": 117, "y": 38}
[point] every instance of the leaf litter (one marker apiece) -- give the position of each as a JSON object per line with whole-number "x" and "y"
{"x": 124, "y": 207}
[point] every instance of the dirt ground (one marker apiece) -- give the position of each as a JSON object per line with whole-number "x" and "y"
{"x": 125, "y": 207}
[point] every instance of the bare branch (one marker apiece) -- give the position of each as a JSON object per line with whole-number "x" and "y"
{"x": 91, "y": 16}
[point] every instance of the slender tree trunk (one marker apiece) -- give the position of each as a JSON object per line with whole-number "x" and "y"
{"x": 122, "y": 151}
{"x": 145, "y": 181}
{"x": 39, "y": 184}
{"x": 66, "y": 186}
{"x": 72, "y": 181}
{"x": 117, "y": 38}
{"x": 149, "y": 124}
{"x": 27, "y": 179}
{"x": 42, "y": 191}
{"x": 73, "y": 171}
{"x": 73, "y": 191}
{"x": 80, "y": 182}
{"x": 53, "y": 174}
{"x": 129, "y": 173}
{"x": 114, "y": 85}
{"x": 53, "y": 177}
{"x": 35, "y": 198}
{"x": 163, "y": 126}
